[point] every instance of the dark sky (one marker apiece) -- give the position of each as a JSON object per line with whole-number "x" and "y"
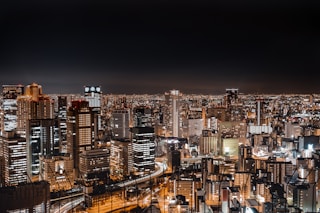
{"x": 155, "y": 46}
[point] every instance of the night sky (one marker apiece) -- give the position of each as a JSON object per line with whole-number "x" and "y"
{"x": 155, "y": 46}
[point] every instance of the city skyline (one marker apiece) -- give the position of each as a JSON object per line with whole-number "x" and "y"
{"x": 147, "y": 48}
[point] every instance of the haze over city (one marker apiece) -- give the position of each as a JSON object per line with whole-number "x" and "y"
{"x": 152, "y": 47}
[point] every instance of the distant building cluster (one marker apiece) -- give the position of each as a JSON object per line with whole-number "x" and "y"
{"x": 224, "y": 153}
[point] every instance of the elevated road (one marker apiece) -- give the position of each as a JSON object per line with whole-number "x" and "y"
{"x": 160, "y": 169}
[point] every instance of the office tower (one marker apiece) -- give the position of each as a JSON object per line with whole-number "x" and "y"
{"x": 58, "y": 171}
{"x": 9, "y": 106}
{"x": 143, "y": 141}
{"x": 62, "y": 122}
{"x": 80, "y": 130}
{"x": 94, "y": 166}
{"x": 33, "y": 104}
{"x": 92, "y": 94}
{"x": 14, "y": 155}
{"x": 172, "y": 116}
{"x": 120, "y": 122}
{"x": 143, "y": 150}
{"x": 121, "y": 160}
{"x": 209, "y": 143}
{"x": 40, "y": 142}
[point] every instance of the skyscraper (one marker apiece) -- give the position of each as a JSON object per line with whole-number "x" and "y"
{"x": 92, "y": 94}
{"x": 14, "y": 153}
{"x": 172, "y": 115}
{"x": 143, "y": 142}
{"x": 35, "y": 114}
{"x": 9, "y": 106}
{"x": 143, "y": 150}
{"x": 40, "y": 142}
{"x": 33, "y": 104}
{"x": 80, "y": 130}
{"x": 121, "y": 123}
{"x": 62, "y": 123}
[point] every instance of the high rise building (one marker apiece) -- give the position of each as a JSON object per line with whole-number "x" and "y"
{"x": 120, "y": 123}
{"x": 92, "y": 94}
{"x": 80, "y": 130}
{"x": 94, "y": 166}
{"x": 14, "y": 154}
{"x": 58, "y": 171}
{"x": 121, "y": 159}
{"x": 209, "y": 143}
{"x": 143, "y": 150}
{"x": 143, "y": 142}
{"x": 33, "y": 104}
{"x": 35, "y": 112}
{"x": 9, "y": 106}
{"x": 40, "y": 142}
{"x": 172, "y": 116}
{"x": 62, "y": 122}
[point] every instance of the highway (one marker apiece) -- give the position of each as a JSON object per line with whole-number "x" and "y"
{"x": 68, "y": 206}
{"x": 115, "y": 203}
{"x": 161, "y": 168}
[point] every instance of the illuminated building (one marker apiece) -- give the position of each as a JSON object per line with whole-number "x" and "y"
{"x": 58, "y": 171}
{"x": 14, "y": 152}
{"x": 209, "y": 143}
{"x": 245, "y": 161}
{"x": 62, "y": 123}
{"x": 121, "y": 158}
{"x": 40, "y": 142}
{"x": 80, "y": 130}
{"x": 33, "y": 104}
{"x": 143, "y": 141}
{"x": 143, "y": 146}
{"x": 9, "y": 106}
{"x": 94, "y": 166}
{"x": 172, "y": 117}
{"x": 92, "y": 94}
{"x": 121, "y": 123}
{"x": 186, "y": 187}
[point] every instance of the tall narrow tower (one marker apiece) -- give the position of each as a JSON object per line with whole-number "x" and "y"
{"x": 80, "y": 130}
{"x": 172, "y": 117}
{"x": 92, "y": 94}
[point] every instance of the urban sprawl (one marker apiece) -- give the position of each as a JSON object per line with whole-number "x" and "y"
{"x": 170, "y": 152}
